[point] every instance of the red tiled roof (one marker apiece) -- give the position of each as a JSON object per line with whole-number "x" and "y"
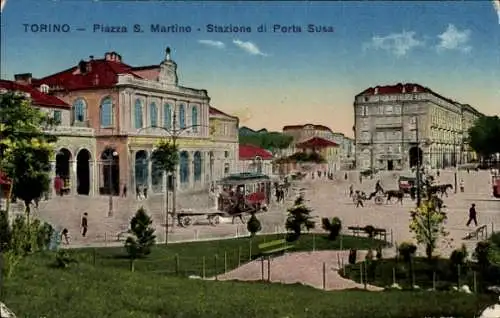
{"x": 317, "y": 142}
{"x": 296, "y": 127}
{"x": 37, "y": 98}
{"x": 249, "y": 152}
{"x": 101, "y": 73}
{"x": 216, "y": 112}
{"x": 399, "y": 88}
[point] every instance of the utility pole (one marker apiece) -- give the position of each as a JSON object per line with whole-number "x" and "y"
{"x": 419, "y": 198}
{"x": 455, "y": 159}
{"x": 371, "y": 153}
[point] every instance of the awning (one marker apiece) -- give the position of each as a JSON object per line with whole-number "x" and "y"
{"x": 316, "y": 142}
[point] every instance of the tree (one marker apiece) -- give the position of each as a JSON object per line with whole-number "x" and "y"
{"x": 484, "y": 136}
{"x": 272, "y": 141}
{"x": 25, "y": 148}
{"x": 299, "y": 217}
{"x": 142, "y": 239}
{"x": 253, "y": 225}
{"x": 427, "y": 224}
{"x": 333, "y": 227}
{"x": 166, "y": 157}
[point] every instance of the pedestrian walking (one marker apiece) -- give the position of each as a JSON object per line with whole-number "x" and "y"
{"x": 472, "y": 215}
{"x": 462, "y": 185}
{"x": 359, "y": 199}
{"x": 345, "y": 176}
{"x": 85, "y": 224}
{"x": 351, "y": 191}
{"x": 124, "y": 191}
{"x": 65, "y": 235}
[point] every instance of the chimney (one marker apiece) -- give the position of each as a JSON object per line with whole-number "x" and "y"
{"x": 376, "y": 90}
{"x": 82, "y": 67}
{"x": 24, "y": 79}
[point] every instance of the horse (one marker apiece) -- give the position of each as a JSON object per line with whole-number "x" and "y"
{"x": 441, "y": 188}
{"x": 398, "y": 194}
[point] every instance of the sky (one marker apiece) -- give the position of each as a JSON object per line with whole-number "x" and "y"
{"x": 272, "y": 79}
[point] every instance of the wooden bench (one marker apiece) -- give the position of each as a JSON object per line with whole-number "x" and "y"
{"x": 480, "y": 231}
{"x": 360, "y": 230}
{"x": 274, "y": 247}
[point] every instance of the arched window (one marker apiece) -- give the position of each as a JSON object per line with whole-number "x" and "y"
{"x": 153, "y": 113}
{"x": 167, "y": 116}
{"x": 79, "y": 110}
{"x": 194, "y": 118}
{"x": 106, "y": 111}
{"x": 184, "y": 167}
{"x": 182, "y": 116}
{"x": 138, "y": 114}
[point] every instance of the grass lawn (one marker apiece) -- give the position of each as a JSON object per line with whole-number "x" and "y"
{"x": 186, "y": 259}
{"x": 83, "y": 291}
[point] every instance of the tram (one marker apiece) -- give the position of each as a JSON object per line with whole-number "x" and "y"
{"x": 244, "y": 193}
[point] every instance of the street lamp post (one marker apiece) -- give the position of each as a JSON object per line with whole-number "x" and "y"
{"x": 110, "y": 180}
{"x": 174, "y": 134}
{"x": 455, "y": 160}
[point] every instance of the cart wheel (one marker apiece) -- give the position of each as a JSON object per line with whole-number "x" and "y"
{"x": 216, "y": 219}
{"x": 379, "y": 200}
{"x": 186, "y": 221}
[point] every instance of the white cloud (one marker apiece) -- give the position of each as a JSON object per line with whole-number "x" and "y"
{"x": 398, "y": 44}
{"x": 216, "y": 44}
{"x": 454, "y": 39}
{"x": 249, "y": 47}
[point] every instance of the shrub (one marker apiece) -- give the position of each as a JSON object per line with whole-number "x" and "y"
{"x": 458, "y": 256}
{"x": 143, "y": 238}
{"x": 495, "y": 239}
{"x": 370, "y": 231}
{"x": 5, "y": 231}
{"x": 63, "y": 259}
{"x": 407, "y": 250}
{"x": 352, "y": 256}
{"x": 334, "y": 227}
{"x": 481, "y": 253}
{"x": 299, "y": 217}
{"x": 253, "y": 225}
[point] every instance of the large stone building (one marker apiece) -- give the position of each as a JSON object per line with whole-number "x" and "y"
{"x": 129, "y": 109}
{"x": 398, "y": 126}
{"x": 71, "y": 139}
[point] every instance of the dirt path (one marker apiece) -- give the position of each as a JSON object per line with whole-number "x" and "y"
{"x": 303, "y": 267}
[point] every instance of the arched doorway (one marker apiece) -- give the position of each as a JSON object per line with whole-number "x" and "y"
{"x": 110, "y": 163}
{"x": 416, "y": 156}
{"x": 141, "y": 169}
{"x": 197, "y": 164}
{"x": 63, "y": 159}
{"x": 83, "y": 172}
{"x": 184, "y": 167}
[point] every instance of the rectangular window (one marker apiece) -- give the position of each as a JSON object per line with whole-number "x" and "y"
{"x": 226, "y": 168}
{"x": 57, "y": 117}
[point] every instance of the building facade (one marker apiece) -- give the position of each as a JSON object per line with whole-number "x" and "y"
{"x": 302, "y": 133}
{"x": 255, "y": 159}
{"x": 74, "y": 144}
{"x": 130, "y": 109}
{"x": 400, "y": 126}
